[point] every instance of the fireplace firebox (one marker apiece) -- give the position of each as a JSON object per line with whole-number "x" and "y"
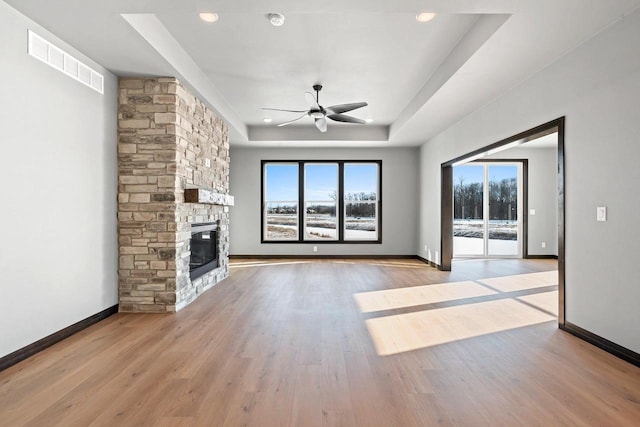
{"x": 204, "y": 249}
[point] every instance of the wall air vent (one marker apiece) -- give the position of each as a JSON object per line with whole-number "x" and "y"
{"x": 62, "y": 61}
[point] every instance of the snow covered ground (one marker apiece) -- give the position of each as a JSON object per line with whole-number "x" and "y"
{"x": 321, "y": 227}
{"x": 360, "y": 234}
{"x": 474, "y": 246}
{"x": 467, "y": 237}
{"x": 498, "y": 229}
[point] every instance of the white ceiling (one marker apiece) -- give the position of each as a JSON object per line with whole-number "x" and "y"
{"x": 417, "y": 78}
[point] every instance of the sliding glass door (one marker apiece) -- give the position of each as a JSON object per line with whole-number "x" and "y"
{"x": 487, "y": 210}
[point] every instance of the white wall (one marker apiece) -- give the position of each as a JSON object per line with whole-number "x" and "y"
{"x": 543, "y": 196}
{"x": 399, "y": 200}
{"x": 58, "y": 171}
{"x": 597, "y": 88}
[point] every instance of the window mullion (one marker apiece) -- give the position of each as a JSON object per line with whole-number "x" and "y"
{"x": 379, "y": 202}
{"x": 340, "y": 202}
{"x": 301, "y": 202}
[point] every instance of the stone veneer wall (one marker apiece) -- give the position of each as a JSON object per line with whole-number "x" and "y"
{"x": 168, "y": 140}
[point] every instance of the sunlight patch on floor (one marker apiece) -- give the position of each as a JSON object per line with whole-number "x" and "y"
{"x": 547, "y": 301}
{"x": 263, "y": 264}
{"x": 522, "y": 281}
{"x": 419, "y": 295}
{"x": 399, "y": 264}
{"x": 411, "y": 331}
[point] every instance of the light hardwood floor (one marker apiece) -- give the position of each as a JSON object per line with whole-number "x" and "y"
{"x": 335, "y": 343}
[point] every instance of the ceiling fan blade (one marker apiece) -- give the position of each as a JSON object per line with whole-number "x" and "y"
{"x": 311, "y": 100}
{"x": 289, "y": 111}
{"x": 345, "y": 118}
{"x": 321, "y": 124}
{"x": 343, "y": 108}
{"x": 291, "y": 121}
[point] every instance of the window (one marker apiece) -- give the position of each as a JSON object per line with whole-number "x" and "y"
{"x": 321, "y": 201}
{"x": 280, "y": 215}
{"x": 361, "y": 201}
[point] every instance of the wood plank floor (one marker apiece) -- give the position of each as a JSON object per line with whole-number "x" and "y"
{"x": 335, "y": 343}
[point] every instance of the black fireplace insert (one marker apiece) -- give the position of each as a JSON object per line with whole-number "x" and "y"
{"x": 204, "y": 249}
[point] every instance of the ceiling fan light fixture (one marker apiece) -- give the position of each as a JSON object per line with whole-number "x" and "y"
{"x": 209, "y": 16}
{"x": 276, "y": 19}
{"x": 316, "y": 114}
{"x": 369, "y": 120}
{"x": 425, "y": 16}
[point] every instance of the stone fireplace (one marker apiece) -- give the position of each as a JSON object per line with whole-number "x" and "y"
{"x": 173, "y": 172}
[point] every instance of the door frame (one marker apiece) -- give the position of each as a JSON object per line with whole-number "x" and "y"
{"x": 446, "y": 204}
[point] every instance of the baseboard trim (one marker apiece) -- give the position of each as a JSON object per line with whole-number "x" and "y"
{"x": 541, "y": 257}
{"x": 36, "y": 347}
{"x": 603, "y": 343}
{"x": 323, "y": 256}
{"x": 426, "y": 261}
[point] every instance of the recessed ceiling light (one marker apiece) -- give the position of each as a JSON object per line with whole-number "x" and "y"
{"x": 276, "y": 19}
{"x": 267, "y": 120}
{"x": 425, "y": 16}
{"x": 209, "y": 16}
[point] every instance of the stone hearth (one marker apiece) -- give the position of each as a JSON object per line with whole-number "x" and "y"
{"x": 168, "y": 141}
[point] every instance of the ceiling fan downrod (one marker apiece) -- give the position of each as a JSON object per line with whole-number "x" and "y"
{"x": 317, "y": 88}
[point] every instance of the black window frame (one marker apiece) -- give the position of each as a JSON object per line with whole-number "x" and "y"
{"x": 301, "y": 201}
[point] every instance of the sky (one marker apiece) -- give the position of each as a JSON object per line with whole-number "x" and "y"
{"x": 281, "y": 183}
{"x": 475, "y": 173}
{"x": 320, "y": 180}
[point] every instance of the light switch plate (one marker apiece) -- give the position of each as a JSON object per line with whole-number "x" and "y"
{"x": 601, "y": 213}
{"x": 207, "y": 162}
{"x": 532, "y": 211}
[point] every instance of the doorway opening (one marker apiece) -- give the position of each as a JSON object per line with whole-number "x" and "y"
{"x": 447, "y": 202}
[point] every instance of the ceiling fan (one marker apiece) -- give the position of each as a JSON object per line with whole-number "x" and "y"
{"x": 320, "y": 114}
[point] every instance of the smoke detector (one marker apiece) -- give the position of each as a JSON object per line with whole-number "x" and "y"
{"x": 276, "y": 19}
